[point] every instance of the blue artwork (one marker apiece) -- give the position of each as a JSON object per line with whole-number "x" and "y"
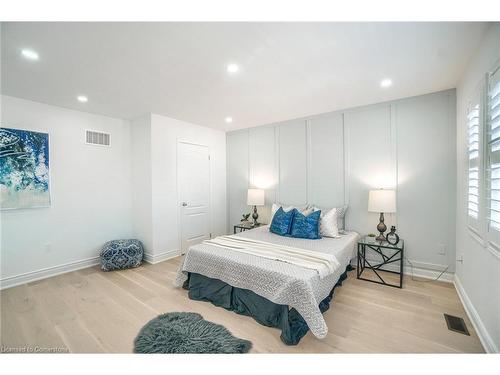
{"x": 24, "y": 169}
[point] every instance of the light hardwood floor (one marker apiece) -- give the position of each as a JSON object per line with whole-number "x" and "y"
{"x": 94, "y": 311}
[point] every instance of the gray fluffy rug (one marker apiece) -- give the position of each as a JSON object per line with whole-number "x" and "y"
{"x": 181, "y": 332}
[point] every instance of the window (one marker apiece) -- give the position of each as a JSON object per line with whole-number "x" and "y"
{"x": 493, "y": 117}
{"x": 473, "y": 150}
{"x": 483, "y": 150}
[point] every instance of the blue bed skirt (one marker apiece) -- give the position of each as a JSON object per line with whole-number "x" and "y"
{"x": 245, "y": 302}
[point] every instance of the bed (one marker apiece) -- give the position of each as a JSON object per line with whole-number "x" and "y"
{"x": 274, "y": 293}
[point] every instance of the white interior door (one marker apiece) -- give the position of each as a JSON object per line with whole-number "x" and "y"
{"x": 194, "y": 193}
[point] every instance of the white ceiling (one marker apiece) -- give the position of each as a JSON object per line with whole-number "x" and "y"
{"x": 288, "y": 70}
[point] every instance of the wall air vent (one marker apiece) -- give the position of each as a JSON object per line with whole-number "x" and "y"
{"x": 97, "y": 138}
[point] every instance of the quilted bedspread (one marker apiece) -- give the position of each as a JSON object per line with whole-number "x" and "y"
{"x": 280, "y": 282}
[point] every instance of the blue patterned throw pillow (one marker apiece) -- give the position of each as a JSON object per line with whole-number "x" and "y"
{"x": 306, "y": 226}
{"x": 282, "y": 222}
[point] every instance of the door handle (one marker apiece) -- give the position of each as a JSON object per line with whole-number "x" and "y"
{"x": 184, "y": 204}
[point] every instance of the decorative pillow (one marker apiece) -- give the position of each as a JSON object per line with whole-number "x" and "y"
{"x": 304, "y": 209}
{"x": 341, "y": 217}
{"x": 328, "y": 225}
{"x": 306, "y": 226}
{"x": 341, "y": 211}
{"x": 282, "y": 221}
{"x": 275, "y": 208}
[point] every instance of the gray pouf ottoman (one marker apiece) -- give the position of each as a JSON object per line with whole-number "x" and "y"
{"x": 121, "y": 254}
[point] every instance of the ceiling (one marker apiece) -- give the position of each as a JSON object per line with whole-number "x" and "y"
{"x": 287, "y": 70}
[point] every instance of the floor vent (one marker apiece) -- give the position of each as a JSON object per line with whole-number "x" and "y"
{"x": 456, "y": 324}
{"x": 97, "y": 138}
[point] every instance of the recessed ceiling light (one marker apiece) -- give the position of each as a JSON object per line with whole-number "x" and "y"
{"x": 30, "y": 54}
{"x": 232, "y": 68}
{"x": 82, "y": 98}
{"x": 228, "y": 119}
{"x": 386, "y": 82}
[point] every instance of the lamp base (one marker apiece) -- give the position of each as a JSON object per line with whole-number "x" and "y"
{"x": 255, "y": 216}
{"x": 381, "y": 227}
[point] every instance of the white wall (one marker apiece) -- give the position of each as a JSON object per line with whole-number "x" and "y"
{"x": 155, "y": 194}
{"x": 141, "y": 181}
{"x": 336, "y": 158}
{"x": 98, "y": 194}
{"x": 90, "y": 192}
{"x": 478, "y": 275}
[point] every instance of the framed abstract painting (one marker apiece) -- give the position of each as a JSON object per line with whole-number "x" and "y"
{"x": 24, "y": 169}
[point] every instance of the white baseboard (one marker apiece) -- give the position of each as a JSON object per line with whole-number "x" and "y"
{"x": 484, "y": 336}
{"x": 157, "y": 258}
{"x": 426, "y": 273}
{"x": 11, "y": 281}
{"x": 423, "y": 270}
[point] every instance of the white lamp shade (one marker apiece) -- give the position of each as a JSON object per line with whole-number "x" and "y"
{"x": 255, "y": 197}
{"x": 382, "y": 201}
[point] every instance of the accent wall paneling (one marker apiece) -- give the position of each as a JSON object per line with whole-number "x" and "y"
{"x": 326, "y": 186}
{"x": 369, "y": 163}
{"x": 337, "y": 157}
{"x": 263, "y": 170}
{"x": 292, "y": 184}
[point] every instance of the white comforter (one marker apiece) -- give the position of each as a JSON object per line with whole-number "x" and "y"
{"x": 322, "y": 263}
{"x": 280, "y": 282}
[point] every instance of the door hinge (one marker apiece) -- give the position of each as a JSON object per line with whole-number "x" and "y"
{"x": 208, "y": 157}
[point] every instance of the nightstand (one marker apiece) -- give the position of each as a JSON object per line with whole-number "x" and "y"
{"x": 383, "y": 254}
{"x": 246, "y": 226}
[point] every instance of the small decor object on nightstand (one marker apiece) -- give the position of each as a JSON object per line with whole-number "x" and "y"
{"x": 392, "y": 237}
{"x": 245, "y": 218}
{"x": 255, "y": 198}
{"x": 383, "y": 201}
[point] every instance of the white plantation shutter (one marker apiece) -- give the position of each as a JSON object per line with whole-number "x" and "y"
{"x": 493, "y": 124}
{"x": 477, "y": 143}
{"x": 474, "y": 160}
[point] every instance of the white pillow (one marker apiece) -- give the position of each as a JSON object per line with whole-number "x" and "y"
{"x": 328, "y": 223}
{"x": 306, "y": 210}
{"x": 341, "y": 217}
{"x": 341, "y": 211}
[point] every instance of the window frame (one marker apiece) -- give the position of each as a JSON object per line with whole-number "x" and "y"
{"x": 480, "y": 229}
{"x": 492, "y": 232}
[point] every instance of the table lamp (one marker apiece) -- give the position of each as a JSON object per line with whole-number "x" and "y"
{"x": 383, "y": 201}
{"x": 255, "y": 198}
